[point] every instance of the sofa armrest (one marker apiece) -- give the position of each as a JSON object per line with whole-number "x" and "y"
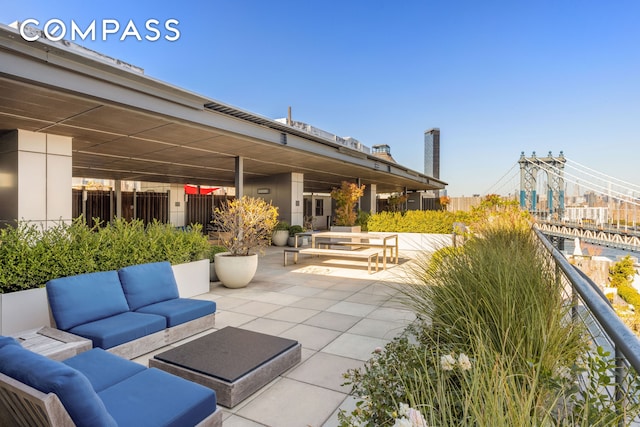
{"x": 30, "y": 406}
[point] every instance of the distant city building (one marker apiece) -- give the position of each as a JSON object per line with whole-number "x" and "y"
{"x": 432, "y": 153}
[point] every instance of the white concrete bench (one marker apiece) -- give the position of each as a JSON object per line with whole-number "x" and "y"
{"x": 369, "y": 254}
{"x": 356, "y": 245}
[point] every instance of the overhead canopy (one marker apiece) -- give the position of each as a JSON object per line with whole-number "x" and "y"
{"x": 128, "y": 126}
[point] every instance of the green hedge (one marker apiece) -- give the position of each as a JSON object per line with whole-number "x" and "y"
{"x": 440, "y": 222}
{"x": 630, "y": 295}
{"x": 32, "y": 256}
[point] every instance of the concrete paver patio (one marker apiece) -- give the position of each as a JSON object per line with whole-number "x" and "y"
{"x": 334, "y": 308}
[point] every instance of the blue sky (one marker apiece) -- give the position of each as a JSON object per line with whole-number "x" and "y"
{"x": 497, "y": 77}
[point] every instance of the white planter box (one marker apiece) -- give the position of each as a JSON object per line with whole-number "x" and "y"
{"x": 24, "y": 310}
{"x": 192, "y": 278}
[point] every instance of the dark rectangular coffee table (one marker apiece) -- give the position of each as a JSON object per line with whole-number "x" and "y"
{"x": 232, "y": 361}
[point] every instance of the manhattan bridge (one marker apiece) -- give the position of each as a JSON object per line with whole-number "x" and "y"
{"x": 571, "y": 200}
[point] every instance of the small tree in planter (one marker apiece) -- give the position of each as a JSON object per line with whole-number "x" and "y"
{"x": 247, "y": 224}
{"x": 346, "y": 197}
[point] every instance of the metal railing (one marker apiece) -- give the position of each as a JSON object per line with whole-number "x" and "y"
{"x": 590, "y": 306}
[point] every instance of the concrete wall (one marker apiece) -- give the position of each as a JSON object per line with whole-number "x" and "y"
{"x": 283, "y": 191}
{"x": 35, "y": 177}
{"x": 414, "y": 201}
{"x": 368, "y": 201}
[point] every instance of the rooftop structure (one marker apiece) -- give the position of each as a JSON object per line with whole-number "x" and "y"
{"x": 383, "y": 151}
{"x": 96, "y": 117}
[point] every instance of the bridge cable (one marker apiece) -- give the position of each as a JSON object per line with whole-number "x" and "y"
{"x": 601, "y": 173}
{"x": 595, "y": 187}
{"x": 501, "y": 178}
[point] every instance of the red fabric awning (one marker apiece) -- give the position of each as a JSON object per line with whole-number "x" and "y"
{"x": 193, "y": 189}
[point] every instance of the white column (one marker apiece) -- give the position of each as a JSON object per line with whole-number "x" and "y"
{"x": 297, "y": 200}
{"x": 239, "y": 177}
{"x": 35, "y": 177}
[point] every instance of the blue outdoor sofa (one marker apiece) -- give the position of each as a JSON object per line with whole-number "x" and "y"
{"x": 128, "y": 312}
{"x": 96, "y": 389}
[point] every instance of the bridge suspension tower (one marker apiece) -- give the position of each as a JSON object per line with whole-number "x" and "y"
{"x": 530, "y": 168}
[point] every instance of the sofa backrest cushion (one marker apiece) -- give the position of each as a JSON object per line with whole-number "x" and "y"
{"x": 8, "y": 341}
{"x": 146, "y": 284}
{"x": 76, "y": 300}
{"x": 49, "y": 376}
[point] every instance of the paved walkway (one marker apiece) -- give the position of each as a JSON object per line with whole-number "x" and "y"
{"x": 339, "y": 314}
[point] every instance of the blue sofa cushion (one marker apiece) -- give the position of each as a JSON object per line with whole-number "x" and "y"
{"x": 155, "y": 398}
{"x": 102, "y": 368}
{"x": 180, "y": 310}
{"x": 121, "y": 328}
{"x": 75, "y": 300}
{"x": 8, "y": 341}
{"x": 49, "y": 376}
{"x": 146, "y": 284}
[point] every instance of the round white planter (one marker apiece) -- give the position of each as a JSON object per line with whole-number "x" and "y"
{"x": 279, "y": 237}
{"x": 235, "y": 271}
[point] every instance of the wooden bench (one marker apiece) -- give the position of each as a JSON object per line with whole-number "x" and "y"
{"x": 369, "y": 254}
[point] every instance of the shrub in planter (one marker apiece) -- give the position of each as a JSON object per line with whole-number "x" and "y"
{"x": 363, "y": 220}
{"x": 293, "y": 230}
{"x": 32, "y": 256}
{"x": 280, "y": 233}
{"x": 438, "y": 222}
{"x": 216, "y": 249}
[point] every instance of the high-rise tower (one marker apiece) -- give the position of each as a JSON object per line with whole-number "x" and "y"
{"x": 432, "y": 153}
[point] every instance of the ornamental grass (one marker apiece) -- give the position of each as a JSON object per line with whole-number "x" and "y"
{"x": 494, "y": 344}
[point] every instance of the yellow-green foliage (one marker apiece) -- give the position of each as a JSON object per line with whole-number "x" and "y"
{"x": 413, "y": 222}
{"x": 630, "y": 295}
{"x": 622, "y": 271}
{"x": 495, "y": 213}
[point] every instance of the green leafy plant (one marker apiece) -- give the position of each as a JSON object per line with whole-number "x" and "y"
{"x": 295, "y": 229}
{"x": 282, "y": 225}
{"x": 216, "y": 249}
{"x": 246, "y": 224}
{"x": 32, "y": 255}
{"x": 363, "y": 220}
{"x": 346, "y": 197}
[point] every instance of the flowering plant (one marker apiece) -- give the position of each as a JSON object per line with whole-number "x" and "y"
{"x": 409, "y": 417}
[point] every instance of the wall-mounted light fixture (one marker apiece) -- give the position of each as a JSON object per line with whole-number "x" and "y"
{"x": 264, "y": 190}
